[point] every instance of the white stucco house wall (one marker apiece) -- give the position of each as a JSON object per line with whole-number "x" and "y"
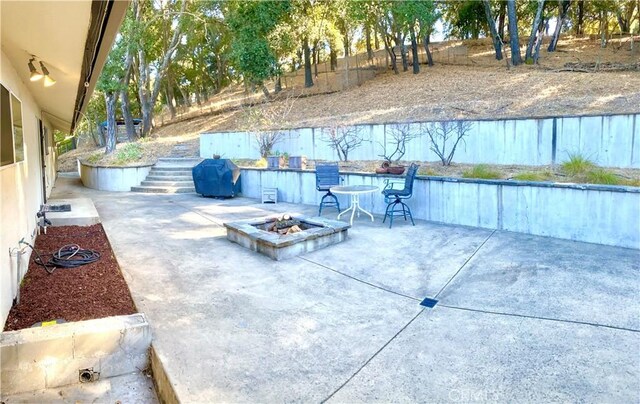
{"x": 72, "y": 39}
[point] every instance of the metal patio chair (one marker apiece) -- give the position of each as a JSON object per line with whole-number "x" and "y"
{"x": 394, "y": 197}
{"x": 327, "y": 176}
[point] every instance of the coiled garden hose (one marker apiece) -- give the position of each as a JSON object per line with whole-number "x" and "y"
{"x": 68, "y": 256}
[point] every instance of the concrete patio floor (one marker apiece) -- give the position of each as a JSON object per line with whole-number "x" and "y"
{"x": 519, "y": 318}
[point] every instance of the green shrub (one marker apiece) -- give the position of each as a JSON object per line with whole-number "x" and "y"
{"x": 262, "y": 163}
{"x": 482, "y": 171}
{"x": 129, "y": 153}
{"x": 577, "y": 165}
{"x": 429, "y": 172}
{"x": 533, "y": 176}
{"x": 602, "y": 176}
{"x": 94, "y": 158}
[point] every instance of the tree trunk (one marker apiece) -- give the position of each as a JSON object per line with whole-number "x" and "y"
{"x": 265, "y": 91}
{"x": 315, "y": 56}
{"x": 580, "y": 23}
{"x": 186, "y": 98}
{"x": 501, "y": 17}
{"x": 604, "y": 28}
{"x": 143, "y": 92}
{"x": 308, "y": 78}
{"x": 516, "y": 58}
{"x": 564, "y": 7}
{"x": 278, "y": 86}
{"x": 126, "y": 115}
{"x": 392, "y": 54}
{"x": 497, "y": 41}
{"x": 367, "y": 39}
{"x": 110, "y": 99}
{"x": 169, "y": 95}
{"x": 414, "y": 51}
{"x": 403, "y": 52}
{"x": 425, "y": 41}
{"x": 622, "y": 22}
{"x": 333, "y": 59}
{"x": 528, "y": 56}
{"x": 540, "y": 37}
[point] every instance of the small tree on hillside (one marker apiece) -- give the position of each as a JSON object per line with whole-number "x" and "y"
{"x": 401, "y": 134}
{"x": 343, "y": 139}
{"x": 261, "y": 118}
{"x": 445, "y": 135}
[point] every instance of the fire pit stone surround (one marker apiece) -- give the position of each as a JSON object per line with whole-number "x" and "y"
{"x": 318, "y": 233}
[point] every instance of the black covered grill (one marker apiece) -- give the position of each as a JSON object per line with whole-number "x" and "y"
{"x": 217, "y": 178}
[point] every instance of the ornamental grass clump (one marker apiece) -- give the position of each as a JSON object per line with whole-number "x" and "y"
{"x": 482, "y": 171}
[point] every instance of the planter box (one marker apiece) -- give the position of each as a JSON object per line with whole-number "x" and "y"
{"x": 275, "y": 162}
{"x": 48, "y": 357}
{"x": 119, "y": 179}
{"x": 568, "y": 211}
{"x": 298, "y": 162}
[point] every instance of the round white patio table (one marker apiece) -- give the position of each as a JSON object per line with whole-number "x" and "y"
{"x": 355, "y": 191}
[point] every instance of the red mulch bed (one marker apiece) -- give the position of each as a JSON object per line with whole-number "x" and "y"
{"x": 89, "y": 291}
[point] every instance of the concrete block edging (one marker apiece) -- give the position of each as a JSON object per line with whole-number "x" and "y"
{"x": 119, "y": 179}
{"x": 600, "y": 214}
{"x": 48, "y": 357}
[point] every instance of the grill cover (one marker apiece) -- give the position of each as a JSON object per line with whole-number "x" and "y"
{"x": 217, "y": 178}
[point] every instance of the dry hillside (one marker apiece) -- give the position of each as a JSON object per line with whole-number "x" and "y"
{"x": 580, "y": 78}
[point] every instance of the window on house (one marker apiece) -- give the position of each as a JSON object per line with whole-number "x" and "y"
{"x": 6, "y": 131}
{"x": 18, "y": 140}
{"x": 11, "y": 129}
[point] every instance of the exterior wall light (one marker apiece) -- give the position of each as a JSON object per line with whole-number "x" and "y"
{"x": 48, "y": 81}
{"x": 35, "y": 75}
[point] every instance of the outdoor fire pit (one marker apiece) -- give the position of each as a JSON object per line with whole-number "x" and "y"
{"x": 286, "y": 236}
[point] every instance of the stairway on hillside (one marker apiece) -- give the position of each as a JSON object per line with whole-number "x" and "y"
{"x": 170, "y": 175}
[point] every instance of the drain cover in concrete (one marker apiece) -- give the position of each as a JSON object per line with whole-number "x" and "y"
{"x": 430, "y": 303}
{"x": 58, "y": 208}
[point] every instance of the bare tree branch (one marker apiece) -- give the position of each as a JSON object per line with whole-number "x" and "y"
{"x": 441, "y": 133}
{"x": 401, "y": 134}
{"x": 343, "y": 139}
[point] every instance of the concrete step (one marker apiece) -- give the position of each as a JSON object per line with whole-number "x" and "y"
{"x": 178, "y": 161}
{"x": 160, "y": 173}
{"x": 163, "y": 190}
{"x": 154, "y": 183}
{"x": 171, "y": 168}
{"x": 169, "y": 178}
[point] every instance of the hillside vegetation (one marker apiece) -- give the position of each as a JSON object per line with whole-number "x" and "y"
{"x": 580, "y": 78}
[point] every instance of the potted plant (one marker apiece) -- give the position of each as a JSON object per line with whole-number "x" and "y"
{"x": 399, "y": 136}
{"x": 387, "y": 168}
{"x": 298, "y": 162}
{"x": 275, "y": 161}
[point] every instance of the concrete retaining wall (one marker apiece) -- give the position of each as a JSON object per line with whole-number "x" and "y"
{"x": 592, "y": 213}
{"x": 47, "y": 357}
{"x": 112, "y": 178}
{"x": 610, "y": 141}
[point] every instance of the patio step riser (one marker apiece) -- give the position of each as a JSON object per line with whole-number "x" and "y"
{"x": 162, "y": 172}
{"x": 169, "y": 178}
{"x": 163, "y": 190}
{"x": 178, "y": 162}
{"x": 167, "y": 183}
{"x": 171, "y": 168}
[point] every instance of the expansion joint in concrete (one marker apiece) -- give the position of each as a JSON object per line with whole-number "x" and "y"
{"x": 207, "y": 218}
{"x": 373, "y": 356}
{"x": 360, "y": 280}
{"x": 558, "y": 320}
{"x": 464, "y": 264}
